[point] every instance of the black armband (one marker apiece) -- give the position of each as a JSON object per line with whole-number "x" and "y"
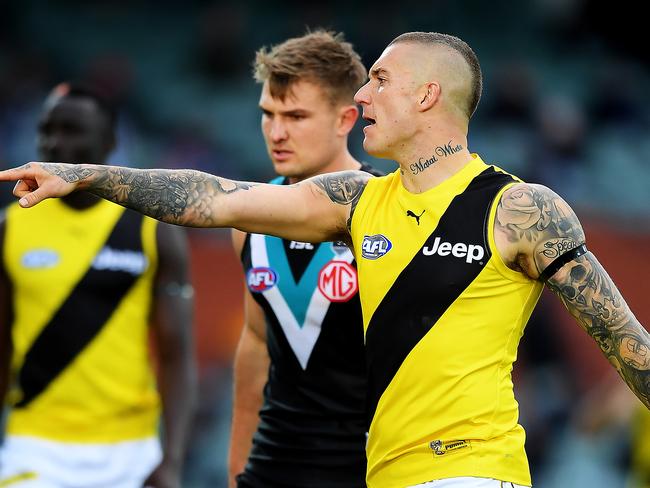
{"x": 561, "y": 260}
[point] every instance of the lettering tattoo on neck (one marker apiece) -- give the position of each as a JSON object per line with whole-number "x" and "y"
{"x": 439, "y": 152}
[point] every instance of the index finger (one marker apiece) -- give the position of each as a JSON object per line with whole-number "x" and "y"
{"x": 15, "y": 174}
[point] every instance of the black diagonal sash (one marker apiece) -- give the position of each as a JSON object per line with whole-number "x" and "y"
{"x": 80, "y": 318}
{"x": 429, "y": 284}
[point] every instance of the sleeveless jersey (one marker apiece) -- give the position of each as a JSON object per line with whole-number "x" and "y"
{"x": 443, "y": 316}
{"x": 82, "y": 286}
{"x": 312, "y": 430}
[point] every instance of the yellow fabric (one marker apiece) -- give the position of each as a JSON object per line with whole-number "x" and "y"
{"x": 455, "y": 384}
{"x": 108, "y": 392}
{"x": 641, "y": 448}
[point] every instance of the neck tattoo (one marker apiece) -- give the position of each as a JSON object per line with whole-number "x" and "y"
{"x": 439, "y": 152}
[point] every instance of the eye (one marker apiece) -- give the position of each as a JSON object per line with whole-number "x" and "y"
{"x": 381, "y": 81}
{"x": 297, "y": 117}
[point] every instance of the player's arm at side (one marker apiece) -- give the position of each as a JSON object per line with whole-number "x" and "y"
{"x": 172, "y": 318}
{"x": 315, "y": 210}
{"x": 534, "y": 227}
{"x": 251, "y": 368}
{"x": 6, "y": 318}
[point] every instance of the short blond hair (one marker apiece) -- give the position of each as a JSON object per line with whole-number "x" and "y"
{"x": 461, "y": 47}
{"x": 321, "y": 57}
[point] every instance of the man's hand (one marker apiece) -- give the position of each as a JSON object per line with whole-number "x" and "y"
{"x": 37, "y": 181}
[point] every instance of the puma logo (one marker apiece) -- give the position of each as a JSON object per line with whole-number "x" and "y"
{"x": 416, "y": 217}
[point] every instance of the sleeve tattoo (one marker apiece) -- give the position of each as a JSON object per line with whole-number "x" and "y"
{"x": 594, "y": 301}
{"x": 344, "y": 188}
{"x": 176, "y": 196}
{"x": 545, "y": 224}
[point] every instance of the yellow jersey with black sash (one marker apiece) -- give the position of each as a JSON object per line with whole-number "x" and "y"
{"x": 82, "y": 289}
{"x": 443, "y": 316}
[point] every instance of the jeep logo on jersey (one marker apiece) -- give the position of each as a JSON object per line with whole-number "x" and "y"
{"x": 124, "y": 260}
{"x": 261, "y": 279}
{"x": 337, "y": 281}
{"x": 470, "y": 252}
{"x": 374, "y": 247}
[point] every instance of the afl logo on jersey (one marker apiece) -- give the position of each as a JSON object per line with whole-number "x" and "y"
{"x": 337, "y": 281}
{"x": 261, "y": 279}
{"x": 374, "y": 247}
{"x": 40, "y": 258}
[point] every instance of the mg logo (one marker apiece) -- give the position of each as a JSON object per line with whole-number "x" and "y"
{"x": 374, "y": 247}
{"x": 261, "y": 279}
{"x": 337, "y": 281}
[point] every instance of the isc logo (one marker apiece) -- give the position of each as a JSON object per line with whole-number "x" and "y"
{"x": 301, "y": 245}
{"x": 261, "y": 279}
{"x": 374, "y": 247}
{"x": 470, "y": 252}
{"x": 338, "y": 281}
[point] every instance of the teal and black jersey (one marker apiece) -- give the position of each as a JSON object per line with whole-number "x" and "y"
{"x": 312, "y": 430}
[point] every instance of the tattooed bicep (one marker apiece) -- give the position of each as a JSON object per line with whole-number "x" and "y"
{"x": 539, "y": 223}
{"x": 343, "y": 188}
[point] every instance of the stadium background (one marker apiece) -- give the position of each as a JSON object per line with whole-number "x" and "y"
{"x": 565, "y": 104}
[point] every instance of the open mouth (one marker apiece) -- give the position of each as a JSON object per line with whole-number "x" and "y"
{"x": 369, "y": 119}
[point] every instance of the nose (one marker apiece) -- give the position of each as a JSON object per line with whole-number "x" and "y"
{"x": 361, "y": 97}
{"x": 278, "y": 130}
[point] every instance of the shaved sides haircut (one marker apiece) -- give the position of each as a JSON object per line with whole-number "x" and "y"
{"x": 320, "y": 57}
{"x": 458, "y": 45}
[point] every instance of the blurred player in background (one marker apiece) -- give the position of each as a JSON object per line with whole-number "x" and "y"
{"x": 81, "y": 282}
{"x": 300, "y": 358}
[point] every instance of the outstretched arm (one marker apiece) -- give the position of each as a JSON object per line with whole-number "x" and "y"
{"x": 315, "y": 210}
{"x": 533, "y": 227}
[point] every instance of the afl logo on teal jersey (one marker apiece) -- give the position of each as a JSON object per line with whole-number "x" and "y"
{"x": 374, "y": 247}
{"x": 261, "y": 279}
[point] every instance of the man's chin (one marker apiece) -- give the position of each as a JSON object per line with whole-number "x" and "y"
{"x": 373, "y": 150}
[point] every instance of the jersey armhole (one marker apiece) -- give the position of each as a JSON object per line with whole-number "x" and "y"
{"x": 149, "y": 236}
{"x": 359, "y": 213}
{"x": 501, "y": 266}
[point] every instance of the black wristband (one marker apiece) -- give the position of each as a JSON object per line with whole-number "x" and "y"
{"x": 561, "y": 260}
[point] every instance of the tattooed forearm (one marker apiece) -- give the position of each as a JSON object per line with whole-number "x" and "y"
{"x": 344, "y": 188}
{"x": 69, "y": 174}
{"x": 594, "y": 301}
{"x": 177, "y": 196}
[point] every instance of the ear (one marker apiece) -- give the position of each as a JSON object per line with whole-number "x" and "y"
{"x": 348, "y": 115}
{"x": 428, "y": 95}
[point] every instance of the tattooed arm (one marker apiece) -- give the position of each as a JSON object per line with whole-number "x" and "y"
{"x": 314, "y": 210}
{"x": 533, "y": 227}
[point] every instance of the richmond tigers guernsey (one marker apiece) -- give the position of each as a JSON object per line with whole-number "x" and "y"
{"x": 443, "y": 316}
{"x": 82, "y": 284}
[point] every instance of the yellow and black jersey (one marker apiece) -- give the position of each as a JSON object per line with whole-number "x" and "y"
{"x": 443, "y": 316}
{"x": 640, "y": 469}
{"x": 82, "y": 289}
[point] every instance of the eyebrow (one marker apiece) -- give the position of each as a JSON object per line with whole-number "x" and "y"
{"x": 378, "y": 71}
{"x": 297, "y": 111}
